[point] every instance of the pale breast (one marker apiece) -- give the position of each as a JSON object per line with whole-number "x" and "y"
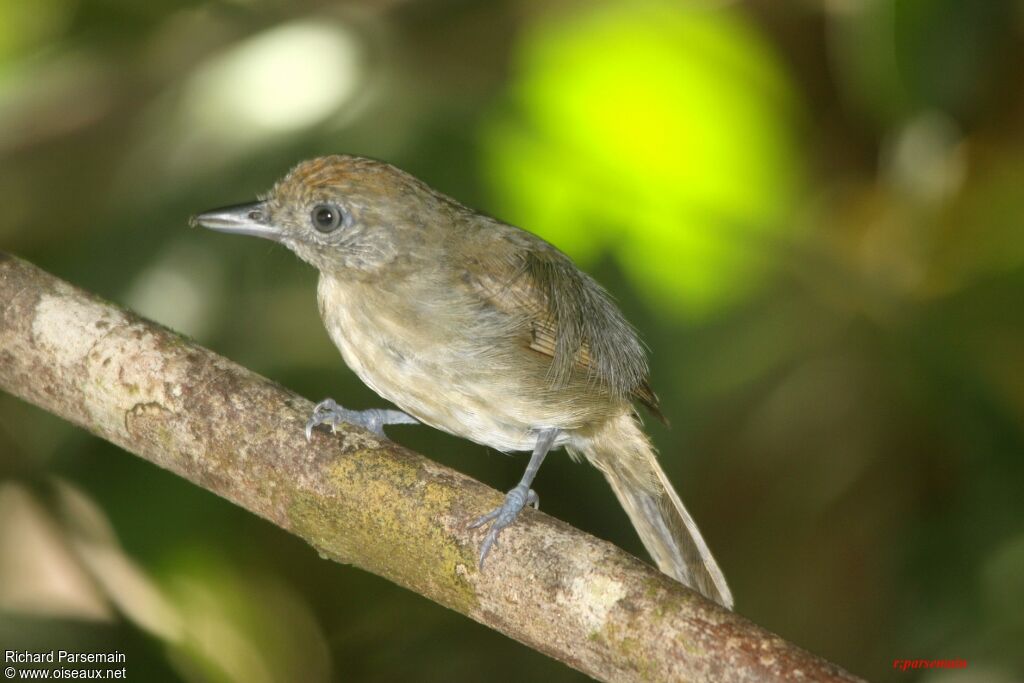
{"x": 434, "y": 368}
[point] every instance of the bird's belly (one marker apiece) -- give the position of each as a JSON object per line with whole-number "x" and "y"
{"x": 440, "y": 395}
{"x": 449, "y": 385}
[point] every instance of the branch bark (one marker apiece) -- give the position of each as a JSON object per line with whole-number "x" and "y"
{"x": 366, "y": 501}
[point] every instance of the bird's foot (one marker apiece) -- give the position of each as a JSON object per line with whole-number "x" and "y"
{"x": 327, "y": 412}
{"x": 501, "y": 517}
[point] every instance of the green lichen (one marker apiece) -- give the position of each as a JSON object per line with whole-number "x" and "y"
{"x": 628, "y": 648}
{"x": 380, "y": 513}
{"x": 654, "y": 593}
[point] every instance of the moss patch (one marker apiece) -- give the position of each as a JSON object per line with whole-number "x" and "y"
{"x": 383, "y": 514}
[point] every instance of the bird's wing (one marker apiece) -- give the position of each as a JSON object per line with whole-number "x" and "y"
{"x": 566, "y": 316}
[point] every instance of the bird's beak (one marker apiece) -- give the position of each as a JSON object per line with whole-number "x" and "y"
{"x": 242, "y": 219}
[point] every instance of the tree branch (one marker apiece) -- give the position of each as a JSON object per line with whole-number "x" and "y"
{"x": 367, "y": 501}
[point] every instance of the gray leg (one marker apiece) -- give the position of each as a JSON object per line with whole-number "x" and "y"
{"x": 518, "y": 498}
{"x": 330, "y": 413}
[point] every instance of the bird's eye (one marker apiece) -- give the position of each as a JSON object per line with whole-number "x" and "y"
{"x": 326, "y": 217}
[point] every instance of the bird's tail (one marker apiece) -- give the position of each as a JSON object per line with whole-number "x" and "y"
{"x": 621, "y": 450}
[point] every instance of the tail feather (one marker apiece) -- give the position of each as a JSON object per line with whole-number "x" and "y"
{"x": 624, "y": 455}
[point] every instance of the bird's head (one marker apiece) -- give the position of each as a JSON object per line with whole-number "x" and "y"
{"x": 346, "y": 215}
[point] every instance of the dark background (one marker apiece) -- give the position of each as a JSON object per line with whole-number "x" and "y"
{"x": 811, "y": 210}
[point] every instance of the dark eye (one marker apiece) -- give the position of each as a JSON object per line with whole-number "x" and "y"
{"x": 326, "y": 217}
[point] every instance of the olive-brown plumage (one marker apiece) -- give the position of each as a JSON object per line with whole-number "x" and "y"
{"x": 480, "y": 329}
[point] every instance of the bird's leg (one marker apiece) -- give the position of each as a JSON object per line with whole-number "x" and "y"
{"x": 518, "y": 498}
{"x": 330, "y": 413}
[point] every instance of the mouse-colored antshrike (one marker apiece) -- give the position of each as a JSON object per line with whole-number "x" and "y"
{"x": 481, "y": 329}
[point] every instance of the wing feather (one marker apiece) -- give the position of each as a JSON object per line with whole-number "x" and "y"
{"x": 567, "y": 316}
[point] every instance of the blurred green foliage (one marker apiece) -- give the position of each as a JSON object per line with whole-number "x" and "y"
{"x": 812, "y": 211}
{"x": 658, "y": 132}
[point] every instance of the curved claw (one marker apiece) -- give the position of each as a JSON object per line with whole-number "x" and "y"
{"x": 483, "y": 519}
{"x": 491, "y": 540}
{"x": 330, "y": 413}
{"x": 324, "y": 412}
{"x": 503, "y": 516}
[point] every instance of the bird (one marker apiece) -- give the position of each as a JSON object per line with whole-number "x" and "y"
{"x": 480, "y": 329}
